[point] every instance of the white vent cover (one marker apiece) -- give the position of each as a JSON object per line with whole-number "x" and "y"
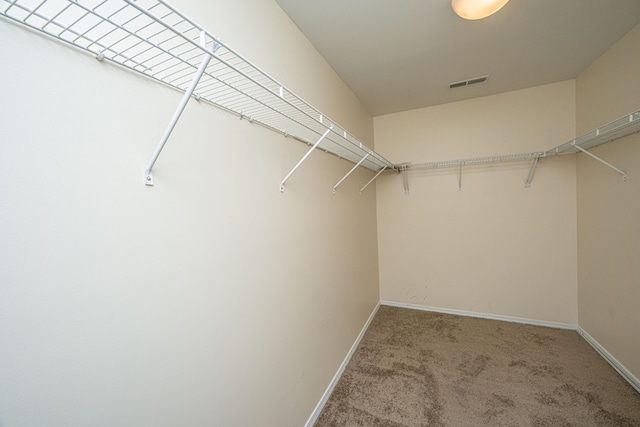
{"x": 468, "y": 82}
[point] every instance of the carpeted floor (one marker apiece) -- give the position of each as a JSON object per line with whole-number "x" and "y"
{"x": 418, "y": 368}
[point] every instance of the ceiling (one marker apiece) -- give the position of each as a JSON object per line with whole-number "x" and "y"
{"x": 397, "y": 55}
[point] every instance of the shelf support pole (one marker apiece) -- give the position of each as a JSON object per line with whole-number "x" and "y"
{"x": 593, "y": 156}
{"x": 349, "y": 173}
{"x": 148, "y": 174}
{"x": 286, "y": 178}
{"x": 373, "y": 179}
{"x": 532, "y": 170}
{"x": 460, "y": 176}
{"x": 405, "y": 178}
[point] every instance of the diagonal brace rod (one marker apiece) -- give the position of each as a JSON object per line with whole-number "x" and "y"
{"x": 532, "y": 170}
{"x": 349, "y": 173}
{"x": 148, "y": 175}
{"x": 405, "y": 178}
{"x": 286, "y": 178}
{"x": 373, "y": 179}
{"x": 621, "y": 172}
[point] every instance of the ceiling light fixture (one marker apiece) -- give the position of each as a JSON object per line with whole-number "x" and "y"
{"x": 476, "y": 9}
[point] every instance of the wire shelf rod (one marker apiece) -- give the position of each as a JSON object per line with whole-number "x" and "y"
{"x": 39, "y": 6}
{"x": 373, "y": 179}
{"x": 265, "y": 88}
{"x": 532, "y": 169}
{"x": 619, "y": 128}
{"x": 59, "y": 35}
{"x": 222, "y": 60}
{"x": 609, "y": 165}
{"x": 307, "y": 154}
{"x": 155, "y": 39}
{"x": 473, "y": 161}
{"x": 237, "y": 69}
{"x": 349, "y": 173}
{"x": 183, "y": 103}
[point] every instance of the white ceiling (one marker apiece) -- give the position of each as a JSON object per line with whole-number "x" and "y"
{"x": 398, "y": 55}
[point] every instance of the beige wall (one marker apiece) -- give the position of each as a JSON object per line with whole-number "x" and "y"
{"x": 609, "y": 208}
{"x": 208, "y": 299}
{"x": 494, "y": 247}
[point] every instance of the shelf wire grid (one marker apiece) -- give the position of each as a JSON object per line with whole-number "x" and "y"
{"x": 472, "y": 161}
{"x": 155, "y": 39}
{"x": 619, "y": 128}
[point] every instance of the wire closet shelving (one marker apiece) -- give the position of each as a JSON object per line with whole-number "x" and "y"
{"x": 153, "y": 38}
{"x": 619, "y": 128}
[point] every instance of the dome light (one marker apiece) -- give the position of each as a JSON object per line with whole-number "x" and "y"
{"x": 476, "y": 9}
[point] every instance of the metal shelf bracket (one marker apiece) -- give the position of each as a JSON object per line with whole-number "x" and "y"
{"x": 593, "y": 156}
{"x": 532, "y": 169}
{"x": 156, "y": 40}
{"x": 373, "y": 179}
{"x": 349, "y": 173}
{"x": 405, "y": 178}
{"x": 148, "y": 174}
{"x": 286, "y": 178}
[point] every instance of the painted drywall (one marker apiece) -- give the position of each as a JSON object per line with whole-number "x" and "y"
{"x": 494, "y": 247}
{"x": 608, "y": 207}
{"x": 208, "y": 299}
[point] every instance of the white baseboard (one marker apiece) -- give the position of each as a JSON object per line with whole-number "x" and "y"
{"x": 624, "y": 372}
{"x": 483, "y": 315}
{"x": 619, "y": 367}
{"x": 316, "y": 412}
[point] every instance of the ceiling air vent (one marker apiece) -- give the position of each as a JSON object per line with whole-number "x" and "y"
{"x": 468, "y": 82}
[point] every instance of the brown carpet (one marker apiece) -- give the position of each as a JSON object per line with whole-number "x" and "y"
{"x": 417, "y": 368}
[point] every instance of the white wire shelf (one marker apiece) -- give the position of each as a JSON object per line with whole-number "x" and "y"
{"x": 153, "y": 38}
{"x": 474, "y": 161}
{"x": 619, "y": 128}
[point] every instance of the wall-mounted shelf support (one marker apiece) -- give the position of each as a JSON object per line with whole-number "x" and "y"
{"x": 405, "y": 177}
{"x": 475, "y": 161}
{"x": 532, "y": 169}
{"x": 373, "y": 179}
{"x": 349, "y": 173}
{"x": 593, "y": 156}
{"x": 619, "y": 128}
{"x": 308, "y": 153}
{"x": 148, "y": 174}
{"x": 156, "y": 40}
